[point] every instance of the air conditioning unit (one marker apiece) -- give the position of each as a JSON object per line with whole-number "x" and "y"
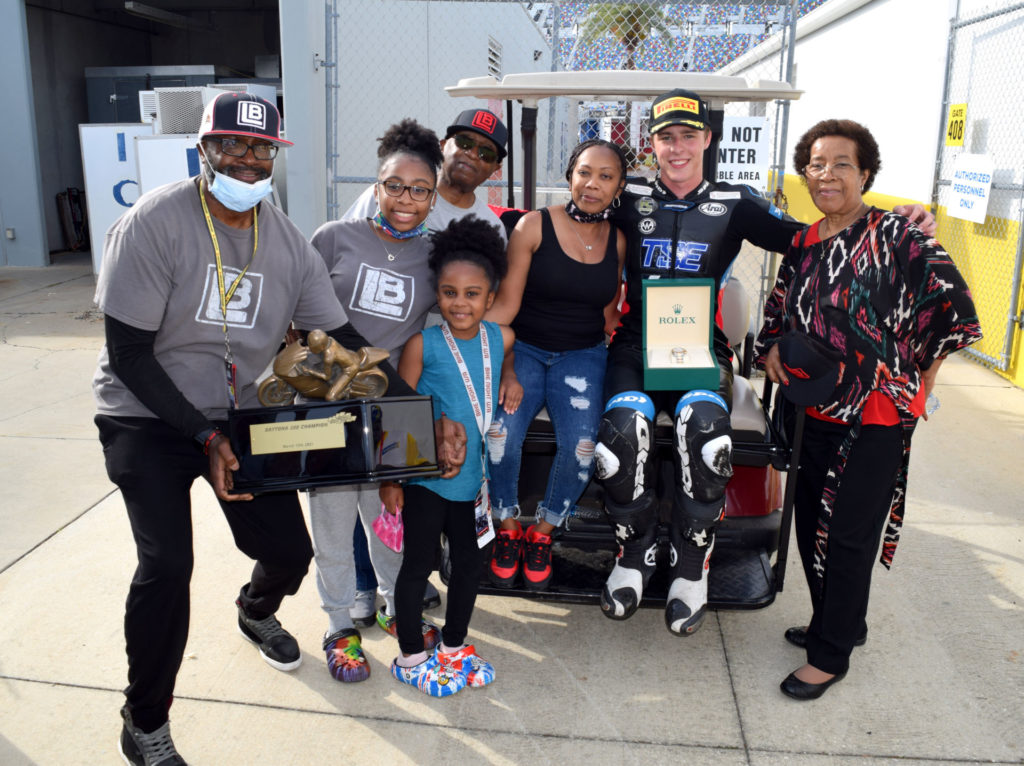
{"x": 172, "y": 110}
{"x": 180, "y": 110}
{"x": 147, "y": 105}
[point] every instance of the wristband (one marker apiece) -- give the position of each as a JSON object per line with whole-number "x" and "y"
{"x": 207, "y": 437}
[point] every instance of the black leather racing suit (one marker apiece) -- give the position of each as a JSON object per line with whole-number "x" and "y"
{"x": 672, "y": 238}
{"x": 696, "y": 236}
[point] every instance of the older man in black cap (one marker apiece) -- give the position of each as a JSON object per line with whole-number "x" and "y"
{"x": 473, "y": 147}
{"x": 677, "y": 226}
{"x": 199, "y": 282}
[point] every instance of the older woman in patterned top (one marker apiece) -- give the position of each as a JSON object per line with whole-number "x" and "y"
{"x": 890, "y": 302}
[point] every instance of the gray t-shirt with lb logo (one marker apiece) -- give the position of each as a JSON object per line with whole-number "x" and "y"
{"x": 386, "y": 300}
{"x": 159, "y": 274}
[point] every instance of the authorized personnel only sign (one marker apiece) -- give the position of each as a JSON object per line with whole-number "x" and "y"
{"x": 744, "y": 154}
{"x": 972, "y": 184}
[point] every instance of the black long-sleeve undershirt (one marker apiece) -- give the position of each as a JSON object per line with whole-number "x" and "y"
{"x": 133, "y": 360}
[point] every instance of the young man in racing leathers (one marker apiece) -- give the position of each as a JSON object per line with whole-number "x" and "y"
{"x": 677, "y": 226}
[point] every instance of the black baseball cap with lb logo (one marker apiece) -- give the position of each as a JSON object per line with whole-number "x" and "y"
{"x": 242, "y": 114}
{"x": 483, "y": 122}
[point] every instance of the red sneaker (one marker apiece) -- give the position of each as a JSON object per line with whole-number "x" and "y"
{"x": 536, "y": 560}
{"x": 508, "y": 546}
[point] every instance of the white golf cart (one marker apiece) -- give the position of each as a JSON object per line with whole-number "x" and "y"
{"x": 748, "y": 563}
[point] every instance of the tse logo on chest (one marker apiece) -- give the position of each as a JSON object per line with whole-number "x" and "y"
{"x": 688, "y": 255}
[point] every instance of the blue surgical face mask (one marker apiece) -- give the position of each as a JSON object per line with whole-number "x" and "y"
{"x": 237, "y": 195}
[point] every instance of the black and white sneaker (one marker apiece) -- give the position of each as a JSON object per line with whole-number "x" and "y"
{"x": 277, "y": 646}
{"x": 140, "y": 749}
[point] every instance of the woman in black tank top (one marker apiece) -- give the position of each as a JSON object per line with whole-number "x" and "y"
{"x": 560, "y": 296}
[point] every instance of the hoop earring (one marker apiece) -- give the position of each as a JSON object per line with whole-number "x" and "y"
{"x": 617, "y": 201}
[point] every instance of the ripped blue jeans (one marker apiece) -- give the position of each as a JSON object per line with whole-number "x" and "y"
{"x": 570, "y": 384}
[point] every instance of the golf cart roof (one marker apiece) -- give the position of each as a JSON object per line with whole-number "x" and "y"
{"x": 615, "y": 85}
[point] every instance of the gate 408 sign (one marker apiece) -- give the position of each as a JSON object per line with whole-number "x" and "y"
{"x": 955, "y": 124}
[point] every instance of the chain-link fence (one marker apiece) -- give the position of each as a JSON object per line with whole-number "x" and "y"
{"x": 983, "y": 96}
{"x": 392, "y": 59}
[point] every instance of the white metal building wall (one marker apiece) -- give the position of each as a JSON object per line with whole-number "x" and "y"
{"x": 395, "y": 58}
{"x": 881, "y": 63}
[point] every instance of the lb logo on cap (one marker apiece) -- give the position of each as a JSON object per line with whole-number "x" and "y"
{"x": 253, "y": 114}
{"x": 484, "y": 121}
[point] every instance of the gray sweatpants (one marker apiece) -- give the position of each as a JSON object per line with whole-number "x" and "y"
{"x": 332, "y": 517}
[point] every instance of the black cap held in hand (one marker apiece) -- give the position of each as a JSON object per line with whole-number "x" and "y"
{"x": 811, "y": 366}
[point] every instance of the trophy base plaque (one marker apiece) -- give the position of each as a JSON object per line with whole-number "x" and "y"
{"x": 330, "y": 443}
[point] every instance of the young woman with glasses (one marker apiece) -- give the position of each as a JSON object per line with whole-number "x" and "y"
{"x": 378, "y": 266}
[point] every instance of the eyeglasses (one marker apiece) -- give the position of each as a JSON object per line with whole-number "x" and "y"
{"x": 839, "y": 169}
{"x": 465, "y": 143}
{"x": 235, "y": 148}
{"x": 396, "y": 189}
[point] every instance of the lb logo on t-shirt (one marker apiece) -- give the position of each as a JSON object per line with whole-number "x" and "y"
{"x": 244, "y": 304}
{"x": 383, "y": 293}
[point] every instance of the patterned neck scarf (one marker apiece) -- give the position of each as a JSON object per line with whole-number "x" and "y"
{"x": 381, "y": 221}
{"x": 578, "y": 215}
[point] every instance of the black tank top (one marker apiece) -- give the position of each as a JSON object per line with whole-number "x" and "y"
{"x": 563, "y": 301}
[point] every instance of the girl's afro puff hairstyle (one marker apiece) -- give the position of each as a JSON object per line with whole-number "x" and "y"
{"x": 469, "y": 239}
{"x": 409, "y": 137}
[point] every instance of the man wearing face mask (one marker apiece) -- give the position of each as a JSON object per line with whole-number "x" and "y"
{"x": 199, "y": 282}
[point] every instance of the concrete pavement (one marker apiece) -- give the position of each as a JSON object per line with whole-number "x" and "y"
{"x": 941, "y": 679}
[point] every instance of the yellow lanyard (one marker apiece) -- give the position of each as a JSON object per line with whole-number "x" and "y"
{"x": 226, "y": 295}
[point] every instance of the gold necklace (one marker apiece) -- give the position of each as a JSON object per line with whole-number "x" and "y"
{"x": 391, "y": 256}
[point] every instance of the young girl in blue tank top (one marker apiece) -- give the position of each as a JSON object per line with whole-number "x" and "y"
{"x": 459, "y": 364}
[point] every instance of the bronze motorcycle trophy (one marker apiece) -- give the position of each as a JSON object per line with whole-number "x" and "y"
{"x": 324, "y": 422}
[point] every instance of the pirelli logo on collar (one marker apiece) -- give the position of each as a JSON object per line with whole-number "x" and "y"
{"x": 677, "y": 103}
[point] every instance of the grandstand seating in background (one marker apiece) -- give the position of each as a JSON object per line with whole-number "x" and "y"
{"x": 709, "y": 53}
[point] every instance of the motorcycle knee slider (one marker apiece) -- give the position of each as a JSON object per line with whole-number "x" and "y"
{"x": 702, "y": 436}
{"x": 625, "y": 438}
